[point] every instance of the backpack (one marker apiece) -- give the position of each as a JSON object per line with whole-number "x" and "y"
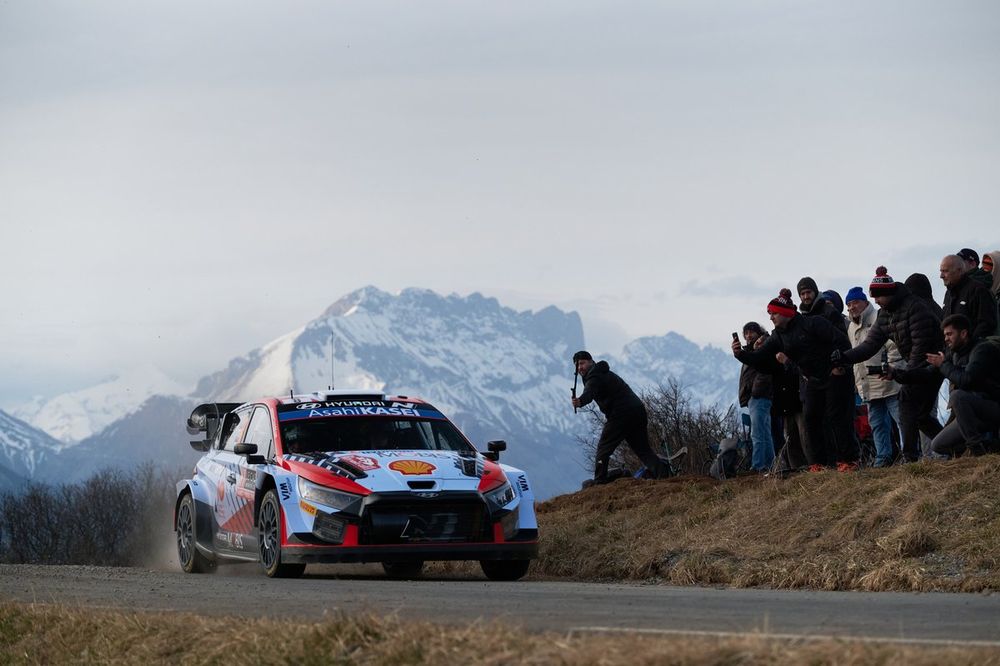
{"x": 724, "y": 465}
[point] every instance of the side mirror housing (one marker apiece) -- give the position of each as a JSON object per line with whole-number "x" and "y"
{"x": 201, "y": 444}
{"x": 494, "y": 449}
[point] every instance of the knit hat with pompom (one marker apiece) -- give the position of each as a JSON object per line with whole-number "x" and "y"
{"x": 882, "y": 284}
{"x": 783, "y": 304}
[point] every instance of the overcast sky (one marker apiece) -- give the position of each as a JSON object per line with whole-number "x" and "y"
{"x": 181, "y": 182}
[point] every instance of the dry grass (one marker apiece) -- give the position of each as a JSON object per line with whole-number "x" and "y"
{"x": 58, "y": 635}
{"x": 926, "y": 526}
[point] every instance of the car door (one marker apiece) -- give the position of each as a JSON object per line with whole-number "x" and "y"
{"x": 233, "y": 514}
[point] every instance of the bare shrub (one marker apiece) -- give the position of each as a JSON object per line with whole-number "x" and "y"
{"x": 112, "y": 518}
{"x": 675, "y": 421}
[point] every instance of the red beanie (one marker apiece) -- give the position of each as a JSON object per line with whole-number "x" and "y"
{"x": 783, "y": 304}
{"x": 882, "y": 284}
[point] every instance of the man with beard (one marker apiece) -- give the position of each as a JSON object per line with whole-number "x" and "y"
{"x": 967, "y": 297}
{"x": 816, "y": 304}
{"x": 808, "y": 343}
{"x": 973, "y": 368}
{"x": 907, "y": 321}
{"x": 626, "y": 416}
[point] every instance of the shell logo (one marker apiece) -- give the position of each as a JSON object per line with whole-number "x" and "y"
{"x": 411, "y": 467}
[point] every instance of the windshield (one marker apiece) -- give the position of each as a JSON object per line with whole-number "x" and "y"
{"x": 370, "y": 434}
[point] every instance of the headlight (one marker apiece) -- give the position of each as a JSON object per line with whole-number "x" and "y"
{"x": 326, "y": 496}
{"x": 501, "y": 497}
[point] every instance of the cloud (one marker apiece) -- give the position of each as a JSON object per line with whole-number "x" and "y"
{"x": 737, "y": 286}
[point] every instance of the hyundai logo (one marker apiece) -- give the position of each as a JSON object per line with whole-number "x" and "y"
{"x": 427, "y": 495}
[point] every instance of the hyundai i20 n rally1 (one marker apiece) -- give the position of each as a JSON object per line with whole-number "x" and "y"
{"x": 349, "y": 477}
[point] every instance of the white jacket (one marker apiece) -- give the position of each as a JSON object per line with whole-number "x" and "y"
{"x": 870, "y": 387}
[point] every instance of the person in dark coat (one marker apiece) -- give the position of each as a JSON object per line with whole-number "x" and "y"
{"x": 807, "y": 343}
{"x": 920, "y": 285}
{"x": 972, "y": 269}
{"x": 816, "y": 304}
{"x": 968, "y": 297}
{"x": 907, "y": 321}
{"x": 973, "y": 369}
{"x": 756, "y": 395}
{"x": 626, "y": 416}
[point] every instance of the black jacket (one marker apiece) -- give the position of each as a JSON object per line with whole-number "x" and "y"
{"x": 821, "y": 307}
{"x": 907, "y": 321}
{"x": 975, "y": 368}
{"x": 920, "y": 285}
{"x": 613, "y": 396}
{"x": 975, "y": 301}
{"x": 808, "y": 341}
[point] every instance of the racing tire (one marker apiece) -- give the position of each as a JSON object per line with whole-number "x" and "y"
{"x": 505, "y": 569}
{"x": 269, "y": 540}
{"x": 192, "y": 561}
{"x": 403, "y": 569}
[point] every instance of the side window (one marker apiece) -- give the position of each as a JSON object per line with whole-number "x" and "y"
{"x": 259, "y": 432}
{"x": 233, "y": 429}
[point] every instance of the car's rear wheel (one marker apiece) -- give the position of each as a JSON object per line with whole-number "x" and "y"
{"x": 403, "y": 569}
{"x": 504, "y": 569}
{"x": 269, "y": 540}
{"x": 191, "y": 560}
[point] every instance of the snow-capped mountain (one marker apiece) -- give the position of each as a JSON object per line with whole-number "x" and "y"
{"x": 23, "y": 448}
{"x": 498, "y": 373}
{"x": 72, "y": 417}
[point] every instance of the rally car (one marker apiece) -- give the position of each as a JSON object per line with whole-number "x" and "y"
{"x": 348, "y": 477}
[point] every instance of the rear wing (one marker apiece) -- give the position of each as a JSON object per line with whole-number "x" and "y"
{"x": 207, "y": 418}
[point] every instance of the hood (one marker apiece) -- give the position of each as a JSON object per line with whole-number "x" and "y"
{"x": 835, "y": 300}
{"x": 600, "y": 368}
{"x": 995, "y": 255}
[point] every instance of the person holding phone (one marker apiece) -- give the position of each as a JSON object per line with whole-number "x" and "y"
{"x": 756, "y": 395}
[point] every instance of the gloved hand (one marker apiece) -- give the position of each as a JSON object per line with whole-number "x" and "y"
{"x": 837, "y": 357}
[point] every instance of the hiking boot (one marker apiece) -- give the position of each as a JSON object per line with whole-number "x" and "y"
{"x": 817, "y": 468}
{"x": 847, "y": 467}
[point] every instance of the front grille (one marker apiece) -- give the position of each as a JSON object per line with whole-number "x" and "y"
{"x": 424, "y": 522}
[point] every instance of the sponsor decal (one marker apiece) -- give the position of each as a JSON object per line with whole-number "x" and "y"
{"x": 411, "y": 467}
{"x": 366, "y": 463}
{"x": 522, "y": 482}
{"x": 308, "y": 508}
{"x": 327, "y": 464}
{"x": 443, "y": 455}
{"x": 427, "y": 495}
{"x": 310, "y": 410}
{"x": 285, "y": 489}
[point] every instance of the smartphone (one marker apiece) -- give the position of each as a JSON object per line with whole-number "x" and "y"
{"x": 736, "y": 337}
{"x": 874, "y": 369}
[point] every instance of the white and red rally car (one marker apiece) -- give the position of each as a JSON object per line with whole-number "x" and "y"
{"x": 349, "y": 477}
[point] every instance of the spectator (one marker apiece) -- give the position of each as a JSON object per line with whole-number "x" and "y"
{"x": 968, "y": 297}
{"x": 627, "y": 419}
{"x": 920, "y": 285}
{"x": 972, "y": 269}
{"x": 881, "y": 397}
{"x": 973, "y": 368}
{"x": 907, "y": 321}
{"x": 756, "y": 393}
{"x": 808, "y": 343}
{"x": 991, "y": 264}
{"x": 815, "y": 304}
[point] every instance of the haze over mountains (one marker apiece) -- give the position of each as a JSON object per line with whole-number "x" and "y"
{"x": 498, "y": 373}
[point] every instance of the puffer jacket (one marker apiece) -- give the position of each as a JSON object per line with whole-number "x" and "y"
{"x": 920, "y": 285}
{"x": 613, "y": 396}
{"x": 907, "y": 321}
{"x": 976, "y": 368}
{"x": 807, "y": 341}
{"x": 870, "y": 387}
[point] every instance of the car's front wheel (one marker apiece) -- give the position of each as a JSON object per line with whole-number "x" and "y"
{"x": 269, "y": 540}
{"x": 505, "y": 569}
{"x": 403, "y": 569}
{"x": 191, "y": 560}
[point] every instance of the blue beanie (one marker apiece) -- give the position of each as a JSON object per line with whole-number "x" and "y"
{"x": 856, "y": 294}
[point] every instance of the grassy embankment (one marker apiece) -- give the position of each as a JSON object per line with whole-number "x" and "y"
{"x": 926, "y": 526}
{"x": 61, "y": 635}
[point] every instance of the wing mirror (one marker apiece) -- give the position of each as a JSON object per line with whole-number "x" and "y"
{"x": 245, "y": 449}
{"x": 494, "y": 449}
